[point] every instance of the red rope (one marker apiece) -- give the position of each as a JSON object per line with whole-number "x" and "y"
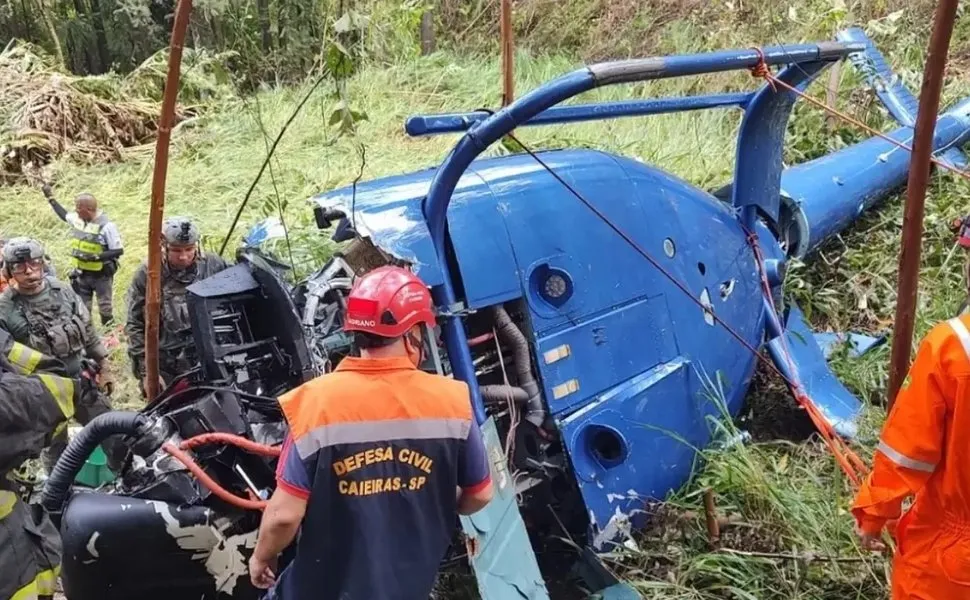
{"x": 840, "y": 450}
{"x": 850, "y": 463}
{"x": 762, "y": 71}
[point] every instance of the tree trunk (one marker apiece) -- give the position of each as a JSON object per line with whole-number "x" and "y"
{"x": 262, "y": 9}
{"x": 100, "y": 39}
{"x": 28, "y": 33}
{"x": 53, "y": 33}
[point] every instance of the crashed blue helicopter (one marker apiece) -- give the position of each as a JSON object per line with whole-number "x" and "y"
{"x": 588, "y": 299}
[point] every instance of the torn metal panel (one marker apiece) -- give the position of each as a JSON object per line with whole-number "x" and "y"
{"x": 808, "y": 366}
{"x": 635, "y": 443}
{"x": 504, "y": 562}
{"x": 858, "y": 344}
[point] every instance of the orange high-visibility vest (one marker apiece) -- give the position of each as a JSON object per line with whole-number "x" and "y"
{"x": 924, "y": 450}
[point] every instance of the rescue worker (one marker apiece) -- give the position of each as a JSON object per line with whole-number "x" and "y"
{"x": 32, "y": 407}
{"x": 95, "y": 249}
{"x": 379, "y": 458}
{"x": 923, "y": 452}
{"x": 183, "y": 263}
{"x": 43, "y": 313}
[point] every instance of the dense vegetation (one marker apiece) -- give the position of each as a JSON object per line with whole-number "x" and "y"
{"x": 782, "y": 504}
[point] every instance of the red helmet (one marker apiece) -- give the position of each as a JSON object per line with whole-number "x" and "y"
{"x": 387, "y": 302}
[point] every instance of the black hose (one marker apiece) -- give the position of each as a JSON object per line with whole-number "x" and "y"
{"x": 77, "y": 452}
{"x": 501, "y": 393}
{"x": 509, "y": 333}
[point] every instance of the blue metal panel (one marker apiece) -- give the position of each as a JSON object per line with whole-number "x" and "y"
{"x": 608, "y": 348}
{"x": 858, "y": 344}
{"x": 757, "y": 170}
{"x": 652, "y": 415}
{"x": 503, "y": 560}
{"x": 901, "y": 103}
{"x": 528, "y": 106}
{"x": 837, "y": 404}
{"x": 419, "y": 125}
{"x": 829, "y": 193}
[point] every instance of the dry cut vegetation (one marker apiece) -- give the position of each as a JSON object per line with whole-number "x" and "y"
{"x": 47, "y": 113}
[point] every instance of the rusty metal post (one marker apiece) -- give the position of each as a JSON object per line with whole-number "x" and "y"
{"x": 508, "y": 64}
{"x": 154, "y": 287}
{"x": 919, "y": 174}
{"x": 427, "y": 32}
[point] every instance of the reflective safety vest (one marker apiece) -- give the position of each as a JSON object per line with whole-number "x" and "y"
{"x": 377, "y": 446}
{"x": 87, "y": 243}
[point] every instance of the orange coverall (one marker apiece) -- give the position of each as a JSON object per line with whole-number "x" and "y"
{"x": 924, "y": 450}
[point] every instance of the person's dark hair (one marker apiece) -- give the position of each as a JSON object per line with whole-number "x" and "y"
{"x": 369, "y": 340}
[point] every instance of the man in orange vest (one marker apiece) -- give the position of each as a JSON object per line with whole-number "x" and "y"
{"x": 924, "y": 451}
{"x": 379, "y": 459}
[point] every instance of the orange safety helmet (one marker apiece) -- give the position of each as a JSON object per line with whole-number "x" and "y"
{"x": 387, "y": 302}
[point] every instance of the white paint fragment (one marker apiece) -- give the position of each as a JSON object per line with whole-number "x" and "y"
{"x": 90, "y": 547}
{"x": 618, "y": 526}
{"x": 226, "y": 562}
{"x": 198, "y": 539}
{"x": 708, "y": 307}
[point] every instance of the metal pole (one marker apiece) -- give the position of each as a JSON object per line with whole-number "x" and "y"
{"x": 154, "y": 288}
{"x": 919, "y": 173}
{"x": 508, "y": 91}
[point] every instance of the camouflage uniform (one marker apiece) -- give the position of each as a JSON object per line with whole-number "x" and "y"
{"x": 32, "y": 408}
{"x": 56, "y": 323}
{"x": 176, "y": 349}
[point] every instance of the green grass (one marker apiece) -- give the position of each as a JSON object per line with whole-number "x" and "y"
{"x": 778, "y": 496}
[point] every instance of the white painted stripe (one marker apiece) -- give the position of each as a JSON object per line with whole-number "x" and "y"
{"x": 961, "y": 330}
{"x": 904, "y": 461}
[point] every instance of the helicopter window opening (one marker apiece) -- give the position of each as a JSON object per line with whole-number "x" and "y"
{"x": 727, "y": 287}
{"x": 702, "y": 268}
{"x": 607, "y": 446}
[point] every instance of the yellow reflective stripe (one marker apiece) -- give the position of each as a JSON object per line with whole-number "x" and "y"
{"x": 8, "y": 500}
{"x": 45, "y": 584}
{"x": 47, "y": 581}
{"x": 89, "y": 247}
{"x": 63, "y": 391}
{"x": 24, "y": 358}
